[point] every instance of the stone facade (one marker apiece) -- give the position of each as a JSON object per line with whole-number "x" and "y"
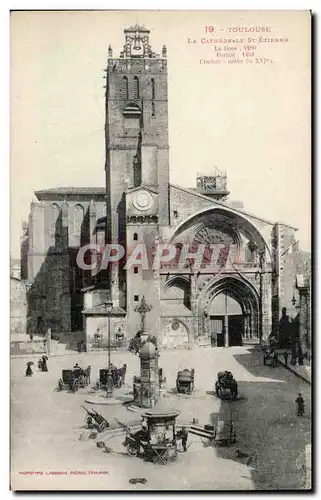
{"x": 237, "y": 301}
{"x": 18, "y": 306}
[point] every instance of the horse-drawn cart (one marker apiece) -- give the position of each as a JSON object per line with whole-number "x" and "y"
{"x": 270, "y": 358}
{"x": 74, "y": 379}
{"x": 118, "y": 377}
{"x": 185, "y": 381}
{"x": 226, "y": 386}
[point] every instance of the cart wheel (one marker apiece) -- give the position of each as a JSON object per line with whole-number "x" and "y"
{"x": 102, "y": 427}
{"x": 75, "y": 385}
{"x": 60, "y": 384}
{"x": 132, "y": 450}
{"x": 89, "y": 422}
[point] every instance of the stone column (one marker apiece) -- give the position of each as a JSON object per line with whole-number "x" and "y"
{"x": 193, "y": 303}
{"x": 226, "y": 342}
{"x": 149, "y": 375}
{"x": 246, "y": 325}
{"x": 264, "y": 309}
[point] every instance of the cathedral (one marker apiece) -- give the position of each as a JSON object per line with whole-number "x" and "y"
{"x": 236, "y": 302}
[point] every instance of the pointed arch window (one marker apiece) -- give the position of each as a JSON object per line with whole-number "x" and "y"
{"x": 125, "y": 88}
{"x": 153, "y": 88}
{"x": 78, "y": 220}
{"x": 55, "y": 211}
{"x": 136, "y": 88}
{"x": 54, "y": 226}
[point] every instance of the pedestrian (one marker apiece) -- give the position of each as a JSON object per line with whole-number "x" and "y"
{"x": 31, "y": 337}
{"x": 275, "y": 359}
{"x": 285, "y": 355}
{"x": 29, "y": 370}
{"x": 144, "y": 425}
{"x": 300, "y": 405}
{"x": 44, "y": 366}
{"x": 184, "y": 434}
{"x": 76, "y": 370}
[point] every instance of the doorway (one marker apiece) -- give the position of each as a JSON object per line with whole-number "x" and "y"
{"x": 235, "y": 329}
{"x": 217, "y": 331}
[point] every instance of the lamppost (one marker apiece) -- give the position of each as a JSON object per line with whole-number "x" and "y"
{"x": 110, "y": 384}
{"x": 142, "y": 309}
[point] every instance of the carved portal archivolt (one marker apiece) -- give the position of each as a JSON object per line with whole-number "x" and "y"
{"x": 244, "y": 284}
{"x": 242, "y": 292}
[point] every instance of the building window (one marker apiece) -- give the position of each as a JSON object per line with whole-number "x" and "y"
{"x": 125, "y": 88}
{"x": 153, "y": 109}
{"x": 55, "y": 211}
{"x": 135, "y": 236}
{"x": 136, "y": 298}
{"x": 153, "y": 88}
{"x": 78, "y": 220}
{"x": 135, "y": 270}
{"x": 136, "y": 88}
{"x": 175, "y": 213}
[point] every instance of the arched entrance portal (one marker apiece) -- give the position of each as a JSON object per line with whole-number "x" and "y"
{"x": 228, "y": 311}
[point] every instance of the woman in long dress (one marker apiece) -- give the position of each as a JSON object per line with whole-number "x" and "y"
{"x": 29, "y": 372}
{"x": 44, "y": 366}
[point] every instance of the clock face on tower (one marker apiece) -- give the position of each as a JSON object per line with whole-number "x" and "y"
{"x": 142, "y": 201}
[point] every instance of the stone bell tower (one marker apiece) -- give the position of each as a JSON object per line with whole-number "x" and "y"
{"x": 136, "y": 140}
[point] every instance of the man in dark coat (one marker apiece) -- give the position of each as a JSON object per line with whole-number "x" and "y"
{"x": 300, "y": 405}
{"x": 184, "y": 434}
{"x": 285, "y": 355}
{"x": 29, "y": 370}
{"x": 44, "y": 366}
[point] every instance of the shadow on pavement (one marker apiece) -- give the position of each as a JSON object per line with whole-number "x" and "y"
{"x": 271, "y": 440}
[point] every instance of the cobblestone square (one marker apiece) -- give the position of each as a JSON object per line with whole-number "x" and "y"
{"x": 47, "y": 425}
